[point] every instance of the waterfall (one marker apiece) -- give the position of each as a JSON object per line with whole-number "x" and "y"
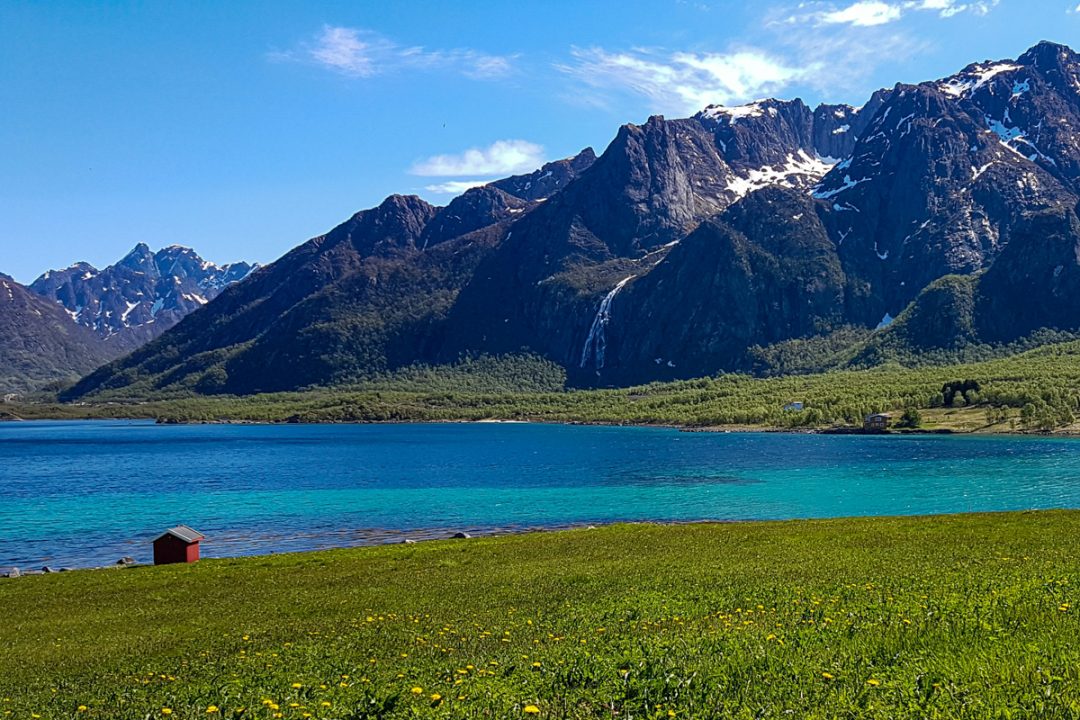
{"x": 596, "y": 342}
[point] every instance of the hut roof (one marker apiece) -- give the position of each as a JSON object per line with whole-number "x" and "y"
{"x": 183, "y": 532}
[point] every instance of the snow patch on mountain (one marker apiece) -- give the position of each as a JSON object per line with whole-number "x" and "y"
{"x": 800, "y": 170}
{"x": 968, "y": 81}
{"x": 738, "y": 112}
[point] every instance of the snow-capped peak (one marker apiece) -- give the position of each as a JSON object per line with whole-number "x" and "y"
{"x": 974, "y": 77}
{"x": 756, "y": 108}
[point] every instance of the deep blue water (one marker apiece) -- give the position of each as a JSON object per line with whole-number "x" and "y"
{"x": 87, "y": 493}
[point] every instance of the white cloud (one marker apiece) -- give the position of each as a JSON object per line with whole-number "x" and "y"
{"x": 948, "y": 8}
{"x": 844, "y": 57}
{"x": 454, "y": 187}
{"x": 870, "y": 13}
{"x": 683, "y": 82}
{"x": 360, "y": 53}
{"x": 865, "y": 13}
{"x": 349, "y": 51}
{"x": 503, "y": 157}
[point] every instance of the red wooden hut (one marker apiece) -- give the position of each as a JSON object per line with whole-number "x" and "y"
{"x": 179, "y": 544}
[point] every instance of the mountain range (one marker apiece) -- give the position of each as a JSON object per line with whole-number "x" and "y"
{"x": 141, "y": 296}
{"x": 113, "y": 311}
{"x": 935, "y": 216}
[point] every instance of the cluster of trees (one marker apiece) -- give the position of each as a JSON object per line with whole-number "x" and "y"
{"x": 966, "y": 390}
{"x": 1037, "y": 390}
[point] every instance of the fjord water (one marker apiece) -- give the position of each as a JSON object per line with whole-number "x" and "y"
{"x": 87, "y": 493}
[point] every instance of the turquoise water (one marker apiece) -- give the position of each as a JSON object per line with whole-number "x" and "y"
{"x": 87, "y": 493}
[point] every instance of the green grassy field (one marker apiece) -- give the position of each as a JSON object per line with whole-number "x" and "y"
{"x": 968, "y": 616}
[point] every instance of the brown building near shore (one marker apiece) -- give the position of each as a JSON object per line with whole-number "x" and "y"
{"x": 178, "y": 544}
{"x": 877, "y": 422}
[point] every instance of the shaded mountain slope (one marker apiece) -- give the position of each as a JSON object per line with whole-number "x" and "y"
{"x": 39, "y": 342}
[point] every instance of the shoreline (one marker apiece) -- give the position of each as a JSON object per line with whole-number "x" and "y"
{"x": 801, "y": 430}
{"x": 417, "y": 537}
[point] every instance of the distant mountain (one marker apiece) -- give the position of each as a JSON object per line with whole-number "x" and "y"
{"x": 39, "y": 343}
{"x": 141, "y": 296}
{"x": 687, "y": 247}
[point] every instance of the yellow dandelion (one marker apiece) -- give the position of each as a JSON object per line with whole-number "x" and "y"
{"x": 417, "y": 690}
{"x": 536, "y": 664}
{"x": 82, "y": 708}
{"x": 827, "y": 676}
{"x": 324, "y": 703}
{"x": 435, "y": 697}
{"x": 212, "y": 709}
{"x": 166, "y": 711}
{"x": 298, "y": 685}
{"x": 531, "y": 710}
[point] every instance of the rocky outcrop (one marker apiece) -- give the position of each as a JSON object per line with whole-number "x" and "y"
{"x": 549, "y": 179}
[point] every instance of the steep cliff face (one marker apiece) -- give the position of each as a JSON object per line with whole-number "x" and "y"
{"x": 949, "y": 205}
{"x": 763, "y": 271}
{"x": 654, "y": 184}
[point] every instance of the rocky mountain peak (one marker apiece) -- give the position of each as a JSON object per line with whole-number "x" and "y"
{"x": 549, "y": 179}
{"x": 141, "y": 295}
{"x": 1048, "y": 56}
{"x": 139, "y": 258}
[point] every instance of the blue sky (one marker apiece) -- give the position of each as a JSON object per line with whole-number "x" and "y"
{"x": 244, "y": 128}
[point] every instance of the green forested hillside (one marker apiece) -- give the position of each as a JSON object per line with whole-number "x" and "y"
{"x": 1035, "y": 390}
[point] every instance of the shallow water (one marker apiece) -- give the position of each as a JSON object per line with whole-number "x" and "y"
{"x": 86, "y": 493}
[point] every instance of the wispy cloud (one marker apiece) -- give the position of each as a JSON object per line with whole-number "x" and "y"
{"x": 863, "y": 14}
{"x": 503, "y": 157}
{"x": 948, "y": 8}
{"x": 360, "y": 53}
{"x": 454, "y": 187}
{"x": 350, "y": 51}
{"x": 682, "y": 82}
{"x": 869, "y": 13}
